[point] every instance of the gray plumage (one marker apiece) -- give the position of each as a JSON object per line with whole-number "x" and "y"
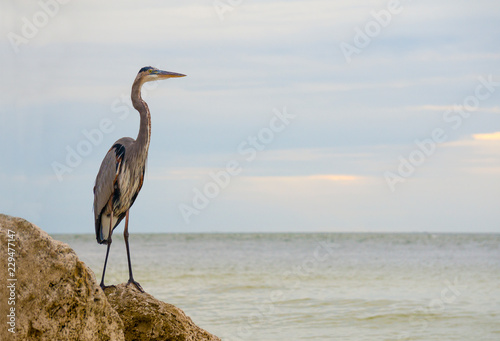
{"x": 115, "y": 186}
{"x": 121, "y": 174}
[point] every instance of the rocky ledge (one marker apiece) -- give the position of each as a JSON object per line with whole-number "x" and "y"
{"x": 49, "y": 294}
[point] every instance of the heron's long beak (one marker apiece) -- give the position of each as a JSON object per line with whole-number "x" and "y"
{"x": 168, "y": 74}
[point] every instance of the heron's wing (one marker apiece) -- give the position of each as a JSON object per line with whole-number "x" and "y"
{"x": 106, "y": 180}
{"x": 108, "y": 174}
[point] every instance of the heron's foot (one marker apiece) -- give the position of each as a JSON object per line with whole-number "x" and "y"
{"x": 137, "y": 285}
{"x": 104, "y": 287}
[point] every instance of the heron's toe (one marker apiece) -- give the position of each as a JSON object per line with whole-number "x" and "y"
{"x": 104, "y": 287}
{"x": 137, "y": 285}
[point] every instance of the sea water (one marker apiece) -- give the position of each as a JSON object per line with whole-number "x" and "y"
{"x": 343, "y": 286}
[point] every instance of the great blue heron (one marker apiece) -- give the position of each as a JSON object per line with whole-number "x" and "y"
{"x": 121, "y": 174}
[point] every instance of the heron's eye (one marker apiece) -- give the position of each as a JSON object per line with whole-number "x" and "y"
{"x": 150, "y": 70}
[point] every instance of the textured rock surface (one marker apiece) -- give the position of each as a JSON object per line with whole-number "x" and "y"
{"x": 57, "y": 297}
{"x": 146, "y": 318}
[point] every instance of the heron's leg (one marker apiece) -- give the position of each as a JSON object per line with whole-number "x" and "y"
{"x": 107, "y": 252}
{"x": 131, "y": 277}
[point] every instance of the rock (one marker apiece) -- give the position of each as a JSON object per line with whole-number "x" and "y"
{"x": 57, "y": 297}
{"x": 146, "y": 318}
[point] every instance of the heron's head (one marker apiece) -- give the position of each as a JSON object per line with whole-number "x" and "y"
{"x": 149, "y": 73}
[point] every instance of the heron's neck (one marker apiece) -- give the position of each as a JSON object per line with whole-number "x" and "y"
{"x": 144, "y": 136}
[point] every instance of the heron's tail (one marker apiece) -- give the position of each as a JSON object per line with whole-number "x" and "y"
{"x": 103, "y": 228}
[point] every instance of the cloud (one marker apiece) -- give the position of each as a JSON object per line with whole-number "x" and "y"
{"x": 444, "y": 108}
{"x": 334, "y": 177}
{"x": 307, "y": 179}
{"x": 487, "y": 137}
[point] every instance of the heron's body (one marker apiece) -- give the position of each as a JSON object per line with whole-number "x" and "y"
{"x": 121, "y": 174}
{"x": 115, "y": 192}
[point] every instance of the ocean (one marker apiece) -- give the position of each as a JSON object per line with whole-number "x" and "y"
{"x": 339, "y": 286}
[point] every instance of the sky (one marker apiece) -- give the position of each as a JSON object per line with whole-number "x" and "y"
{"x": 295, "y": 116}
